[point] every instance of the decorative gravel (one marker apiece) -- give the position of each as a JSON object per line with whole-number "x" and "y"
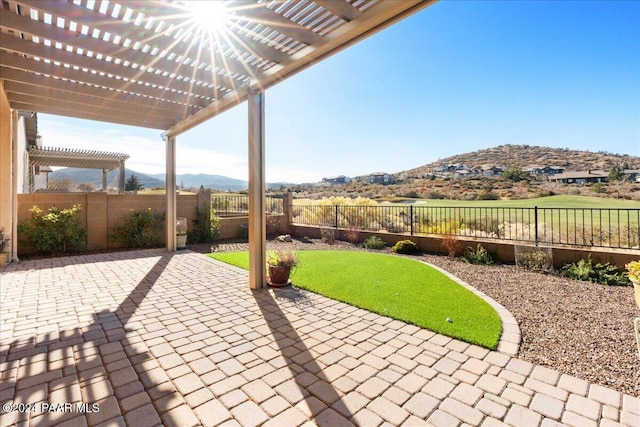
{"x": 578, "y": 328}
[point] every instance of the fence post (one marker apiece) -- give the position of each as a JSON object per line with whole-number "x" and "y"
{"x": 535, "y": 218}
{"x": 411, "y": 218}
{"x": 336, "y": 217}
{"x": 287, "y": 210}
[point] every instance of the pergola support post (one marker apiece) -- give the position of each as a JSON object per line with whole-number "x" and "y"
{"x": 170, "y": 179}
{"x": 257, "y": 219}
{"x": 104, "y": 180}
{"x": 121, "y": 180}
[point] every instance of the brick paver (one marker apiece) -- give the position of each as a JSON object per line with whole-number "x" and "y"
{"x": 179, "y": 339}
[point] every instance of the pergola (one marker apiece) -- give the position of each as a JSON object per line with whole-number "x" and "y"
{"x": 157, "y": 64}
{"x": 86, "y": 159}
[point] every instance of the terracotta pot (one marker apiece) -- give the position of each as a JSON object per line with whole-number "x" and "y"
{"x": 4, "y": 258}
{"x": 279, "y": 274}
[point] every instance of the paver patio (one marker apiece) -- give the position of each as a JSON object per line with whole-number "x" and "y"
{"x": 179, "y": 339}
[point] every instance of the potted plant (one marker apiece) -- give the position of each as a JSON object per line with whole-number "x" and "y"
{"x": 181, "y": 233}
{"x": 633, "y": 273}
{"x": 280, "y": 263}
{"x": 4, "y": 241}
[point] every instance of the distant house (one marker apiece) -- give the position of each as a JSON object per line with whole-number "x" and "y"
{"x": 632, "y": 175}
{"x": 450, "y": 167}
{"x": 546, "y": 170}
{"x": 380, "y": 178}
{"x": 491, "y": 170}
{"x": 462, "y": 173}
{"x": 341, "y": 179}
{"x": 580, "y": 177}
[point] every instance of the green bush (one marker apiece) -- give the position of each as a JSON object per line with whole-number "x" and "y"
{"x": 55, "y": 232}
{"x": 139, "y": 229}
{"x": 479, "y": 256}
{"x": 206, "y": 225}
{"x": 328, "y": 236}
{"x": 487, "y": 195}
{"x": 586, "y": 270}
{"x": 373, "y": 242}
{"x": 534, "y": 258}
{"x": 405, "y": 247}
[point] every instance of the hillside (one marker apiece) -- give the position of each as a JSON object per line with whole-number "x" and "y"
{"x": 420, "y": 182}
{"x": 94, "y": 177}
{"x": 528, "y": 155}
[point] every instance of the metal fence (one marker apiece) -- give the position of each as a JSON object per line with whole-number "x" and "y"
{"x": 238, "y": 204}
{"x": 612, "y": 228}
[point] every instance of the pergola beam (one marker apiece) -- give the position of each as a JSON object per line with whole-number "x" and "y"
{"x": 17, "y": 62}
{"x": 28, "y": 83}
{"x": 340, "y": 8}
{"x": 51, "y": 53}
{"x": 49, "y": 93}
{"x": 87, "y": 115}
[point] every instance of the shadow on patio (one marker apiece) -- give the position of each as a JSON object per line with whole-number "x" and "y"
{"x": 104, "y": 363}
{"x": 186, "y": 345}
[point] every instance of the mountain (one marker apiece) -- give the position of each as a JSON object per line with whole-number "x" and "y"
{"x": 528, "y": 155}
{"x": 213, "y": 182}
{"x": 94, "y": 177}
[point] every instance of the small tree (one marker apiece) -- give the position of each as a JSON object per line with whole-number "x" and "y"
{"x": 133, "y": 183}
{"x": 615, "y": 173}
{"x": 616, "y": 176}
{"x": 514, "y": 173}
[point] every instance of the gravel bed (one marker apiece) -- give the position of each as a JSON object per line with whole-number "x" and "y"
{"x": 578, "y": 328}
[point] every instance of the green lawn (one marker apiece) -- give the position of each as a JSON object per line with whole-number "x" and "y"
{"x": 559, "y": 201}
{"x": 398, "y": 287}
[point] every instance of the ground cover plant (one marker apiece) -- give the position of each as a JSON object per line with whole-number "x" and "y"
{"x": 398, "y": 287}
{"x": 587, "y": 270}
{"x": 374, "y": 242}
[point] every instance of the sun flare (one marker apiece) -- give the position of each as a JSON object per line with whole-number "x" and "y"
{"x": 210, "y": 15}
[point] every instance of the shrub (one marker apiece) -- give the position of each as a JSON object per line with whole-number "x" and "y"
{"x": 56, "y": 232}
{"x": 206, "y": 225}
{"x": 405, "y": 247}
{"x": 533, "y": 258}
{"x": 452, "y": 244}
{"x": 435, "y": 195}
{"x": 139, "y": 229}
{"x": 374, "y": 242}
{"x": 352, "y": 235}
{"x": 489, "y": 195}
{"x": 586, "y": 270}
{"x": 328, "y": 236}
{"x": 479, "y": 256}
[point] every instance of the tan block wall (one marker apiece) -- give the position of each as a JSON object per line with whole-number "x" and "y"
{"x": 101, "y": 212}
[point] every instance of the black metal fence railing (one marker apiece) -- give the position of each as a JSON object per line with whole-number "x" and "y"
{"x": 614, "y": 228}
{"x": 238, "y": 204}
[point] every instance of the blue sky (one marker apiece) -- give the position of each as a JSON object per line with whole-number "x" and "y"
{"x": 457, "y": 77}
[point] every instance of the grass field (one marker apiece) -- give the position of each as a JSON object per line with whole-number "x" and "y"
{"x": 397, "y": 287}
{"x": 559, "y": 201}
{"x": 573, "y": 220}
